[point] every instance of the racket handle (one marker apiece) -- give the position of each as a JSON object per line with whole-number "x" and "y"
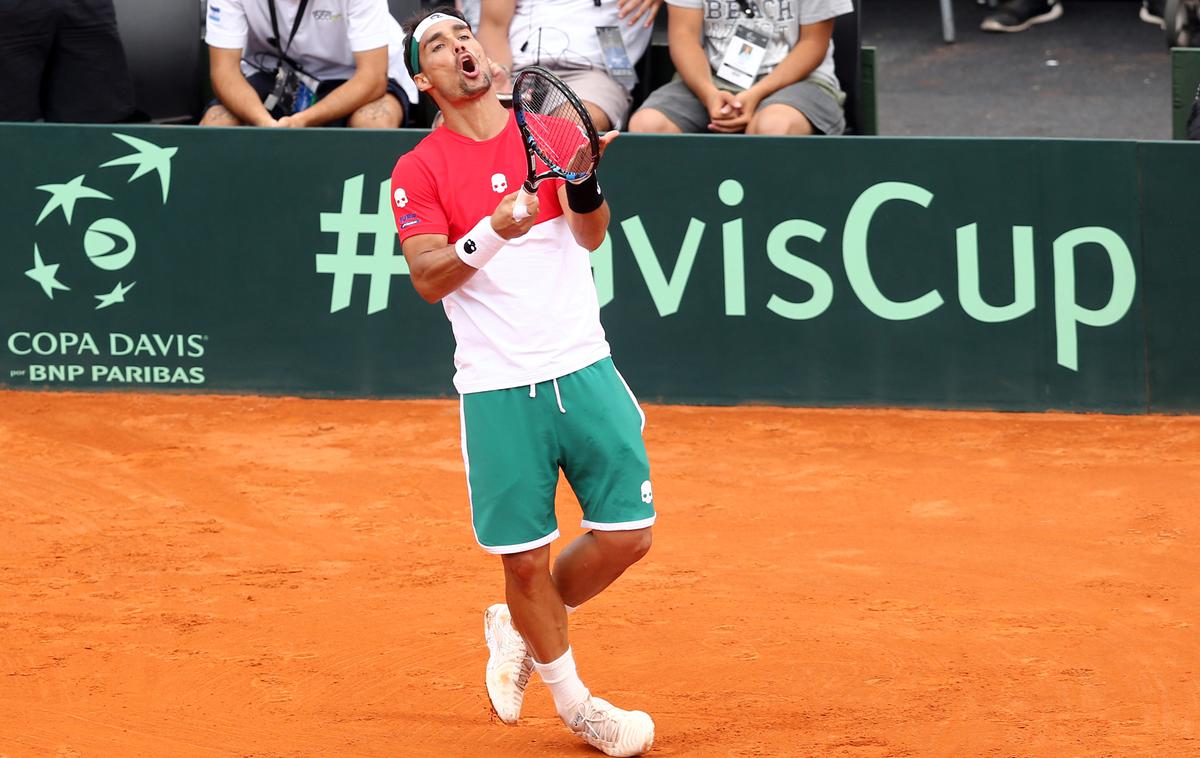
{"x": 521, "y": 205}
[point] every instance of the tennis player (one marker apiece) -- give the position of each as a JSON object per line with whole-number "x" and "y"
{"x": 539, "y": 391}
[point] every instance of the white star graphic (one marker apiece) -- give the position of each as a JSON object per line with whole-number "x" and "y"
{"x": 116, "y": 296}
{"x": 65, "y": 196}
{"x": 47, "y": 276}
{"x": 149, "y": 157}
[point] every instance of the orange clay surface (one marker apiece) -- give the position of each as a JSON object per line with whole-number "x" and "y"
{"x": 243, "y": 576}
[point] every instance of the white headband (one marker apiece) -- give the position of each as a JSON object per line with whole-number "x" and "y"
{"x": 414, "y": 56}
{"x": 429, "y": 21}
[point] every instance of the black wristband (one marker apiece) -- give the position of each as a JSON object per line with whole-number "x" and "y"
{"x": 586, "y": 196}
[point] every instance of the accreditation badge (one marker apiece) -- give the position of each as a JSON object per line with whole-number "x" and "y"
{"x": 743, "y": 57}
{"x": 616, "y": 57}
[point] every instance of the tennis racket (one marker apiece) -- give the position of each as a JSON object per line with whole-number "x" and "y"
{"x": 557, "y": 130}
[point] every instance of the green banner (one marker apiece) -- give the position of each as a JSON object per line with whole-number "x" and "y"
{"x": 866, "y": 271}
{"x": 1170, "y": 177}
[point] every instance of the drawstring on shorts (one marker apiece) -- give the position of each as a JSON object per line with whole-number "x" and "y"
{"x": 557, "y": 394}
{"x": 558, "y": 397}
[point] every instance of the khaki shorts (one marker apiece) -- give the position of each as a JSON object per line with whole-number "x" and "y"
{"x": 597, "y": 87}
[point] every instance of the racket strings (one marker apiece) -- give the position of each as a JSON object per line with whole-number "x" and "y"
{"x": 560, "y": 135}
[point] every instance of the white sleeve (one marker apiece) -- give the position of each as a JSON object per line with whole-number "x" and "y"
{"x": 226, "y": 26}
{"x": 685, "y": 3}
{"x": 396, "y": 67}
{"x": 815, "y": 11}
{"x": 367, "y": 25}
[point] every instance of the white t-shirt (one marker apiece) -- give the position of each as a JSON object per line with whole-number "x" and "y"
{"x": 531, "y": 314}
{"x": 778, "y": 20}
{"x": 325, "y": 44}
{"x": 561, "y": 34}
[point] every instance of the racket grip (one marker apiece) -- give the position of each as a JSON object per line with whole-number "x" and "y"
{"x": 521, "y": 205}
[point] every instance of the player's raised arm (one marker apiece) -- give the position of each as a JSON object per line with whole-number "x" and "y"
{"x": 584, "y": 205}
{"x": 437, "y": 267}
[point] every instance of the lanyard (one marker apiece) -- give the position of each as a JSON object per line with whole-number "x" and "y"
{"x": 295, "y": 26}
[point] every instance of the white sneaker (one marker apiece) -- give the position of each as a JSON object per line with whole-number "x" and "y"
{"x": 611, "y": 730}
{"x": 509, "y": 664}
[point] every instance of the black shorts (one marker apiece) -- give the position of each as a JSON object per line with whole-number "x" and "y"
{"x": 62, "y": 60}
{"x": 263, "y": 83}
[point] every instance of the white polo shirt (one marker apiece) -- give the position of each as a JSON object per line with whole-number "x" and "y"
{"x": 329, "y": 36}
{"x": 561, "y": 34}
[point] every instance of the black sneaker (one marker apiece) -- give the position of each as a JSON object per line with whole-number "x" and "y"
{"x": 1152, "y": 12}
{"x": 1019, "y": 15}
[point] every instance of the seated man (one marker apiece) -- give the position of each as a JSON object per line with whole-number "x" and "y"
{"x": 749, "y": 66}
{"x": 284, "y": 63}
{"x": 565, "y": 37}
{"x": 62, "y": 60}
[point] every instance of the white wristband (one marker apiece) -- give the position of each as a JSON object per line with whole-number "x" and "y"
{"x": 479, "y": 245}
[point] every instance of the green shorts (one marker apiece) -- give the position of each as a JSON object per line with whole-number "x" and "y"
{"x": 514, "y": 442}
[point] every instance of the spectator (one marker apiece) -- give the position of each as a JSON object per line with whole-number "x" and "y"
{"x": 62, "y": 60}
{"x": 470, "y": 11}
{"x": 749, "y": 66}
{"x": 1019, "y": 15}
{"x": 564, "y": 36}
{"x": 341, "y": 64}
{"x": 1193, "y": 120}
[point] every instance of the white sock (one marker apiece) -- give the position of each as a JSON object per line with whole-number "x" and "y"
{"x": 570, "y": 608}
{"x": 564, "y": 683}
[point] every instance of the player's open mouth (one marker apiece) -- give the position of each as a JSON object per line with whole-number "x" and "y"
{"x": 467, "y": 65}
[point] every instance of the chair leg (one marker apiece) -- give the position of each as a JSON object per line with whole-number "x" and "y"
{"x": 947, "y": 21}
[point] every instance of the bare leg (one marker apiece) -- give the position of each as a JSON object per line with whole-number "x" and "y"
{"x": 781, "y": 120}
{"x": 384, "y": 113}
{"x": 219, "y": 115}
{"x": 536, "y": 607}
{"x": 594, "y": 560}
{"x": 588, "y": 565}
{"x": 599, "y": 117}
{"x": 538, "y": 615}
{"x": 650, "y": 121}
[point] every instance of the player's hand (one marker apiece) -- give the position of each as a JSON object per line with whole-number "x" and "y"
{"x": 606, "y": 140}
{"x": 501, "y": 79}
{"x": 294, "y": 122}
{"x": 635, "y": 9}
{"x": 504, "y": 223}
{"x": 583, "y": 154}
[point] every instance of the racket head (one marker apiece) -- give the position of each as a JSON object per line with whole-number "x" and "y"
{"x": 555, "y": 124}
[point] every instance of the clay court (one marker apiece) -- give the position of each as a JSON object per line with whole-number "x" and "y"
{"x": 203, "y": 576}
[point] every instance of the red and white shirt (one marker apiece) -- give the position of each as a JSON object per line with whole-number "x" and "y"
{"x": 529, "y": 315}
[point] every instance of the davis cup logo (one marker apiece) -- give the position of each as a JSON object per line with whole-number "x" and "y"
{"x": 106, "y": 242}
